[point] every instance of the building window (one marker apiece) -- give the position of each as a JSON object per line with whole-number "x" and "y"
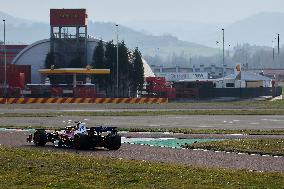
{"x": 230, "y": 85}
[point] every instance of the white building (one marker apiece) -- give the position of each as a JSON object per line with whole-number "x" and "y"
{"x": 213, "y": 71}
{"x": 243, "y": 79}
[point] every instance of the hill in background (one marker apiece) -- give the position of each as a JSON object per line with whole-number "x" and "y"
{"x": 259, "y": 29}
{"x": 25, "y": 31}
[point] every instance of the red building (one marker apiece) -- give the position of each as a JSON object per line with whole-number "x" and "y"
{"x": 11, "y": 52}
{"x": 17, "y": 75}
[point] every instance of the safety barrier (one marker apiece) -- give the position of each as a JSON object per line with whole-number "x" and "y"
{"x": 83, "y": 100}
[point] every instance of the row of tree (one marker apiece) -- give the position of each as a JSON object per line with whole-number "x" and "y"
{"x": 126, "y": 82}
{"x": 127, "y": 74}
{"x": 253, "y": 57}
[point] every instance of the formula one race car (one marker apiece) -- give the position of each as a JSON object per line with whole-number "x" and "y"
{"x": 79, "y": 137}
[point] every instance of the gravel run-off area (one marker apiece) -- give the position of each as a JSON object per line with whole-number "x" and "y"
{"x": 168, "y": 155}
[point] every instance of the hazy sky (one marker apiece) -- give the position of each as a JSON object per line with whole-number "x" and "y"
{"x": 121, "y": 11}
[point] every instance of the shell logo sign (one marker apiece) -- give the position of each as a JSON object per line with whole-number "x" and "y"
{"x": 88, "y": 67}
{"x": 238, "y": 67}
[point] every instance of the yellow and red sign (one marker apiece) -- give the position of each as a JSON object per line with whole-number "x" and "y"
{"x": 68, "y": 17}
{"x": 83, "y": 100}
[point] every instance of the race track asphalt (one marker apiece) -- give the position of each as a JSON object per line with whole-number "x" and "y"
{"x": 165, "y": 121}
{"x": 162, "y": 121}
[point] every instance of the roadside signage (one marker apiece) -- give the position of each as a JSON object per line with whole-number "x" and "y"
{"x": 177, "y": 76}
{"x": 68, "y": 17}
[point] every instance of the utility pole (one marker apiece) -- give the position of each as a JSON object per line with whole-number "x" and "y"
{"x": 228, "y": 51}
{"x": 278, "y": 43}
{"x": 116, "y": 60}
{"x": 273, "y": 52}
{"x": 5, "y": 63}
{"x": 223, "y": 48}
{"x": 223, "y": 30}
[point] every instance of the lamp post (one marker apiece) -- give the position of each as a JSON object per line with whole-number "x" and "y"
{"x": 278, "y": 44}
{"x": 223, "y": 31}
{"x": 229, "y": 47}
{"x": 5, "y": 63}
{"x": 219, "y": 51}
{"x": 273, "y": 52}
{"x": 116, "y": 59}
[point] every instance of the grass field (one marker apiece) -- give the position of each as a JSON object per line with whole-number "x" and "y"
{"x": 264, "y": 104}
{"x": 206, "y": 131}
{"x": 197, "y": 104}
{"x": 36, "y": 168}
{"x": 255, "y": 146}
{"x": 152, "y": 113}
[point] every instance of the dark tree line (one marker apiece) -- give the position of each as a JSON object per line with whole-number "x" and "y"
{"x": 55, "y": 61}
{"x": 130, "y": 69}
{"x": 249, "y": 56}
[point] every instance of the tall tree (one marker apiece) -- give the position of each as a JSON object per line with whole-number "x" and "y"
{"x": 130, "y": 68}
{"x": 76, "y": 62}
{"x": 131, "y": 75}
{"x": 123, "y": 71}
{"x": 138, "y": 70}
{"x": 49, "y": 60}
{"x": 99, "y": 62}
{"x": 49, "y": 63}
{"x": 110, "y": 61}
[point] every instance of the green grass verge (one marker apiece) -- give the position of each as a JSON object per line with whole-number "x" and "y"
{"x": 205, "y": 131}
{"x": 258, "y": 146}
{"x": 248, "y": 104}
{"x": 152, "y": 113}
{"x": 29, "y": 168}
{"x": 265, "y": 104}
{"x": 172, "y": 130}
{"x": 199, "y": 104}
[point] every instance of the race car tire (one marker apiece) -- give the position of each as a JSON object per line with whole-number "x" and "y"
{"x": 81, "y": 142}
{"x": 40, "y": 138}
{"x": 113, "y": 141}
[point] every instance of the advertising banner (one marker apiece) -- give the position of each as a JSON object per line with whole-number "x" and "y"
{"x": 68, "y": 17}
{"x": 177, "y": 76}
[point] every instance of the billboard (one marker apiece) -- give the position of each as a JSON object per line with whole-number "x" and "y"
{"x": 68, "y": 17}
{"x": 177, "y": 76}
